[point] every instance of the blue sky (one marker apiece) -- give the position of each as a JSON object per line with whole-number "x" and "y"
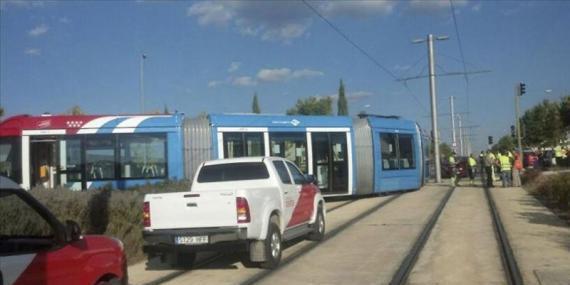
{"x": 212, "y": 56}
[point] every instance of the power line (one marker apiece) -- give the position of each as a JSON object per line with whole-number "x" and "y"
{"x": 364, "y": 52}
{"x": 459, "y": 40}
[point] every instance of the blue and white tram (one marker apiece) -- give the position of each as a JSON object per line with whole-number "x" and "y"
{"x": 370, "y": 154}
{"x": 348, "y": 156}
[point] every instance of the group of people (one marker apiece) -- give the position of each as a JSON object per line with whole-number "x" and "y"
{"x": 506, "y": 163}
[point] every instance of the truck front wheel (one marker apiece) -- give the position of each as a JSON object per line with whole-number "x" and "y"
{"x": 318, "y": 232}
{"x": 272, "y": 247}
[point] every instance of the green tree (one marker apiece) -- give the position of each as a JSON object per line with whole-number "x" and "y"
{"x": 75, "y": 110}
{"x": 543, "y": 125}
{"x": 445, "y": 150}
{"x": 255, "y": 105}
{"x": 342, "y": 106}
{"x": 1, "y": 111}
{"x": 312, "y": 106}
{"x": 565, "y": 112}
{"x": 505, "y": 143}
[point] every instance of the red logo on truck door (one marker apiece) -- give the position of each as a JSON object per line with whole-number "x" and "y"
{"x": 304, "y": 209}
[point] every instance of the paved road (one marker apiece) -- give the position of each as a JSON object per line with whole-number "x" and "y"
{"x": 367, "y": 240}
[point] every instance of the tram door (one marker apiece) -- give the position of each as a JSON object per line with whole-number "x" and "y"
{"x": 330, "y": 162}
{"x": 43, "y": 161}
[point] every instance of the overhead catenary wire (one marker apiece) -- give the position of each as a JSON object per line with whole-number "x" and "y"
{"x": 361, "y": 50}
{"x": 452, "y": 7}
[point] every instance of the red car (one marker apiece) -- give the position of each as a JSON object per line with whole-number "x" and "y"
{"x": 45, "y": 251}
{"x": 461, "y": 167}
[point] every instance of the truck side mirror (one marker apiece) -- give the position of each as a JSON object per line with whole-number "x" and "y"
{"x": 309, "y": 178}
{"x": 72, "y": 231}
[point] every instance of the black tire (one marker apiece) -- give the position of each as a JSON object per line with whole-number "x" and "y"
{"x": 181, "y": 260}
{"x": 319, "y": 227}
{"x": 273, "y": 246}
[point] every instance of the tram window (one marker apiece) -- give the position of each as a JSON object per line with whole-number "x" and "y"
{"x": 254, "y": 144}
{"x": 142, "y": 155}
{"x": 10, "y": 158}
{"x": 233, "y": 145}
{"x": 292, "y": 146}
{"x": 70, "y": 162}
{"x": 297, "y": 175}
{"x": 389, "y": 151}
{"x": 406, "y": 151}
{"x": 282, "y": 171}
{"x": 100, "y": 157}
{"x": 243, "y": 144}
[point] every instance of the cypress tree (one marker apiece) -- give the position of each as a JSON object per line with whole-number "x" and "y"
{"x": 342, "y": 106}
{"x": 255, "y": 105}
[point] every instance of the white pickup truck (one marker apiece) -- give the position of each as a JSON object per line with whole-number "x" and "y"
{"x": 249, "y": 205}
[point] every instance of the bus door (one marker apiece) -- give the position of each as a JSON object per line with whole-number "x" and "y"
{"x": 43, "y": 161}
{"x": 330, "y": 161}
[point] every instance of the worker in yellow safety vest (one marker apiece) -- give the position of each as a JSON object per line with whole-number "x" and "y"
{"x": 453, "y": 169}
{"x": 506, "y": 169}
{"x": 472, "y": 166}
{"x": 558, "y": 155}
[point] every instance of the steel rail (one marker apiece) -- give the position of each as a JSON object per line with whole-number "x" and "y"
{"x": 405, "y": 268}
{"x": 510, "y": 265}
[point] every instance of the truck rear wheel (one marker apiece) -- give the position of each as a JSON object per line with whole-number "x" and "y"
{"x": 181, "y": 260}
{"x": 272, "y": 247}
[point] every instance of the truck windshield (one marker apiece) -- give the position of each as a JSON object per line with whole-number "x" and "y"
{"x": 233, "y": 172}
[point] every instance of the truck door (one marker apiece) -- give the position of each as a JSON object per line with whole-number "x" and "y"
{"x": 305, "y": 203}
{"x": 290, "y": 192}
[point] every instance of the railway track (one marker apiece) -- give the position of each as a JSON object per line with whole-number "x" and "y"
{"x": 205, "y": 262}
{"x": 510, "y": 267}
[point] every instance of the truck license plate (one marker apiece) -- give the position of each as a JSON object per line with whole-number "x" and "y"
{"x": 191, "y": 240}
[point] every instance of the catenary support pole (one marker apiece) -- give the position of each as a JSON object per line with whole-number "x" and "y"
{"x": 432, "y": 93}
{"x": 453, "y": 137}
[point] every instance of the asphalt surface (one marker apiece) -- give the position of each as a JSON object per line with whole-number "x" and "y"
{"x": 367, "y": 240}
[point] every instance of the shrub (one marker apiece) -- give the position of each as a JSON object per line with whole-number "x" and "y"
{"x": 530, "y": 176}
{"x": 116, "y": 213}
{"x": 554, "y": 188}
{"x": 560, "y": 185}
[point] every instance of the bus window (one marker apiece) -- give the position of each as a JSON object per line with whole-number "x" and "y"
{"x": 10, "y": 159}
{"x": 143, "y": 155}
{"x": 100, "y": 157}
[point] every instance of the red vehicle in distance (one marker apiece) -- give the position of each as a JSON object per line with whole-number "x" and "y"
{"x": 46, "y": 251}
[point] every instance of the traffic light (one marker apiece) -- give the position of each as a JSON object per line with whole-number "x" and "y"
{"x": 522, "y": 88}
{"x": 513, "y": 133}
{"x": 490, "y": 139}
